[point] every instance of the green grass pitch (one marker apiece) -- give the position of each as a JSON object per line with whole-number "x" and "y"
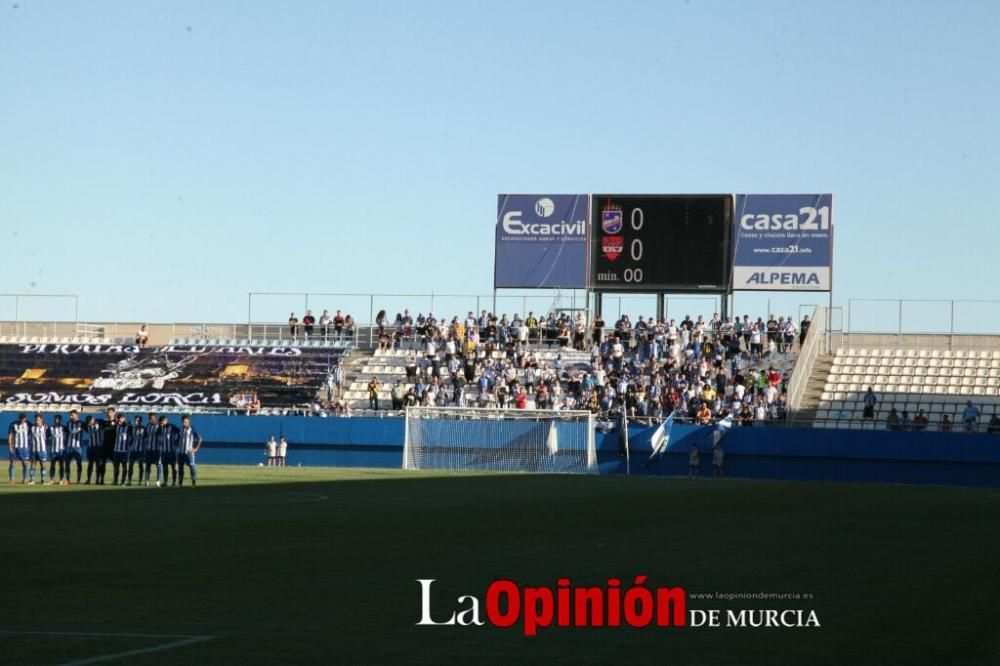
{"x": 312, "y": 565}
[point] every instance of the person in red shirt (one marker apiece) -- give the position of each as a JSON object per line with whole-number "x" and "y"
{"x": 308, "y": 322}
{"x": 521, "y": 399}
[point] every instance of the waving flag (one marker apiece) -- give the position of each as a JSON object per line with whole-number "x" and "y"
{"x": 721, "y": 428}
{"x": 552, "y": 441}
{"x": 662, "y": 437}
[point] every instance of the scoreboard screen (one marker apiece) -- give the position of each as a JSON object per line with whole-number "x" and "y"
{"x": 650, "y": 243}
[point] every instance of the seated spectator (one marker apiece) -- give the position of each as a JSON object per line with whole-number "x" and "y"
{"x": 293, "y": 324}
{"x": 892, "y": 420}
{"x": 994, "y": 426}
{"x": 308, "y": 323}
{"x": 338, "y": 323}
{"x": 141, "y": 336}
{"x": 920, "y": 421}
{"x": 945, "y": 425}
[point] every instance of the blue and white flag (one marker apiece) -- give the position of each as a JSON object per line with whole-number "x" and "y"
{"x": 721, "y": 428}
{"x": 552, "y": 441}
{"x": 661, "y": 437}
{"x": 725, "y": 424}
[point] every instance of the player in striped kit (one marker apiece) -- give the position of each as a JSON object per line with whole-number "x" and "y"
{"x": 152, "y": 448}
{"x": 57, "y": 452}
{"x": 95, "y": 450}
{"x": 18, "y": 436}
{"x": 74, "y": 444}
{"x": 123, "y": 440}
{"x": 167, "y": 445}
{"x": 189, "y": 441}
{"x": 137, "y": 451}
{"x": 38, "y": 441}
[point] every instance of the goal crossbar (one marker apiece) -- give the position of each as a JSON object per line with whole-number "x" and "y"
{"x": 508, "y": 440}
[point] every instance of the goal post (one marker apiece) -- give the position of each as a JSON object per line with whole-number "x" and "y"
{"x": 499, "y": 440}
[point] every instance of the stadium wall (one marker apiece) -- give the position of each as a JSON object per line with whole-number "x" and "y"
{"x": 801, "y": 454}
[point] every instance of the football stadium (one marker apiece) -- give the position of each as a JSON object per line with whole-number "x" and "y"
{"x": 326, "y": 339}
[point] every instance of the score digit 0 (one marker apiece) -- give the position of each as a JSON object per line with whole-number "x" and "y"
{"x": 637, "y": 218}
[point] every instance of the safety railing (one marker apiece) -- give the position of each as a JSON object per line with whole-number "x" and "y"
{"x": 814, "y": 344}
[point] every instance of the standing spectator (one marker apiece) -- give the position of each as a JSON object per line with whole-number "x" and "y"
{"x": 373, "y": 387}
{"x": 324, "y": 324}
{"x": 970, "y": 416}
{"x": 293, "y": 324}
{"x": 803, "y": 329}
{"x": 597, "y": 333}
{"x": 718, "y": 460}
{"x": 338, "y": 378}
{"x": 272, "y": 451}
{"x": 397, "y": 395}
{"x": 141, "y": 336}
{"x": 308, "y": 323}
{"x": 282, "y": 452}
{"x": 694, "y": 460}
{"x": 870, "y": 401}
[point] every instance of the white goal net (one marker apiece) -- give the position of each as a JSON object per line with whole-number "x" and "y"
{"x": 500, "y": 440}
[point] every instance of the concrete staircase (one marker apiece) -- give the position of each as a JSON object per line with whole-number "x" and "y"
{"x": 814, "y": 388}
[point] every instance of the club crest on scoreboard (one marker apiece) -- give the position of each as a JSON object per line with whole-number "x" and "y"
{"x": 612, "y": 246}
{"x": 611, "y": 220}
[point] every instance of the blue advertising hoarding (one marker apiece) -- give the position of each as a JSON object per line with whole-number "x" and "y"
{"x": 541, "y": 241}
{"x": 783, "y": 242}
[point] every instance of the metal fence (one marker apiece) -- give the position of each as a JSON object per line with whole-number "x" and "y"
{"x": 923, "y": 316}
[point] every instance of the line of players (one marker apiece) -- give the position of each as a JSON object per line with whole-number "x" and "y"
{"x": 154, "y": 443}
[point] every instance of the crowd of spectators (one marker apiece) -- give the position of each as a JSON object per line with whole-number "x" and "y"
{"x": 702, "y": 370}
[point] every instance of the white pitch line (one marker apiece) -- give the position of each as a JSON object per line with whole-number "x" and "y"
{"x": 180, "y": 642}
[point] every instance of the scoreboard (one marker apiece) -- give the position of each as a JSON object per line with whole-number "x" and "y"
{"x": 650, "y": 243}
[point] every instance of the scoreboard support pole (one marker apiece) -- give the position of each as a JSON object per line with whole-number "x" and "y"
{"x": 598, "y": 304}
{"x": 661, "y": 307}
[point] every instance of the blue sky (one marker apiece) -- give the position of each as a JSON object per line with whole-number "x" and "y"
{"x": 161, "y": 159}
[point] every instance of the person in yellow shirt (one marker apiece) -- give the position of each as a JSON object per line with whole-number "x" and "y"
{"x": 373, "y": 387}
